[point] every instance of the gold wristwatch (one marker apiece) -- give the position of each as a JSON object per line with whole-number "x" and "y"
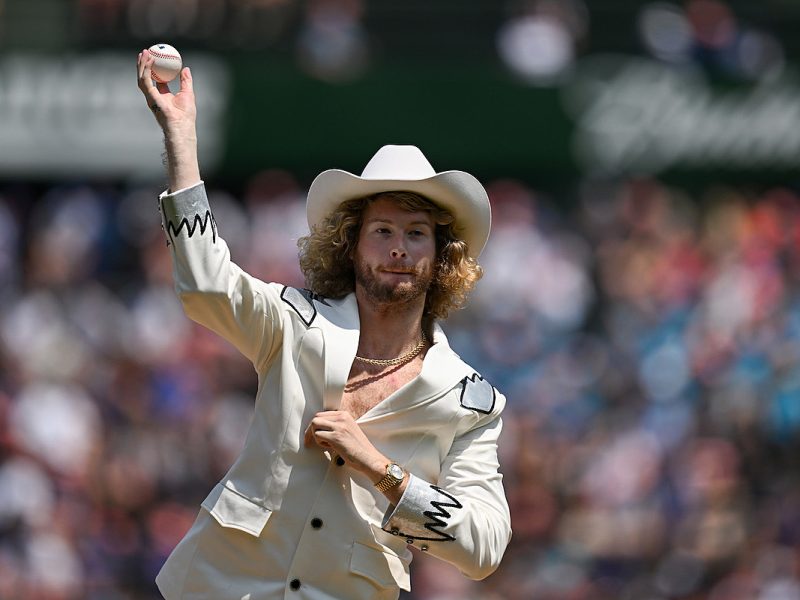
{"x": 394, "y": 476}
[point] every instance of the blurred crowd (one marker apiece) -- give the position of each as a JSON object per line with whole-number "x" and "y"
{"x": 538, "y": 41}
{"x": 647, "y": 339}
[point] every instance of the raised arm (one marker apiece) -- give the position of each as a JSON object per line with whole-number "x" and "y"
{"x": 176, "y": 114}
{"x": 213, "y": 290}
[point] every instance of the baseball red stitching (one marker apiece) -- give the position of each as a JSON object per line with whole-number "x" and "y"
{"x": 161, "y": 55}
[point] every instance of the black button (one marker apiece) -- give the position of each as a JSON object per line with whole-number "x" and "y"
{"x": 295, "y": 584}
{"x": 339, "y": 461}
{"x": 316, "y": 522}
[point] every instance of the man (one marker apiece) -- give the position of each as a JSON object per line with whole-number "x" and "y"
{"x": 369, "y": 435}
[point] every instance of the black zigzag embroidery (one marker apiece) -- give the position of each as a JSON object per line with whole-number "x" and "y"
{"x": 197, "y": 223}
{"x": 439, "y": 515}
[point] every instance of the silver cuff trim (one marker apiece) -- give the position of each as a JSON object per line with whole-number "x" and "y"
{"x": 423, "y": 513}
{"x": 186, "y": 213}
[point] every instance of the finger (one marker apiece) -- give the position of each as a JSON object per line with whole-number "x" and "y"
{"x": 323, "y": 423}
{"x": 321, "y": 438}
{"x": 153, "y": 90}
{"x": 313, "y": 436}
{"x": 149, "y": 61}
{"x": 187, "y": 83}
{"x": 140, "y": 60}
{"x": 145, "y": 73}
{"x": 143, "y": 63}
{"x": 313, "y": 428}
{"x": 331, "y": 415}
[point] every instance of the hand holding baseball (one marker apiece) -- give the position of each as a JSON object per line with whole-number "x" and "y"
{"x": 177, "y": 115}
{"x": 174, "y": 112}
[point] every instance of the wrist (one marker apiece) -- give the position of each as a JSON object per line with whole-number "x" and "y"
{"x": 180, "y": 130}
{"x": 180, "y": 144}
{"x": 375, "y": 467}
{"x": 181, "y": 153}
{"x": 393, "y": 478}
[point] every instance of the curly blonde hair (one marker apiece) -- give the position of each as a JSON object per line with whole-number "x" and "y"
{"x": 326, "y": 254}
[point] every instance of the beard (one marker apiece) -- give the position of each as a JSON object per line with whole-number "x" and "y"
{"x": 384, "y": 293}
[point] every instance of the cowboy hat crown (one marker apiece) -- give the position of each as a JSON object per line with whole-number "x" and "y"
{"x": 405, "y": 168}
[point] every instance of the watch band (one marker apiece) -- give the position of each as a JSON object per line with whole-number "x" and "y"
{"x": 388, "y": 481}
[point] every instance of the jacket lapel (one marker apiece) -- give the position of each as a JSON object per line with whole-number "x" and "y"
{"x": 340, "y": 329}
{"x": 442, "y": 370}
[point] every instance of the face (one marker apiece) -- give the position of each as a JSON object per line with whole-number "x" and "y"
{"x": 395, "y": 253}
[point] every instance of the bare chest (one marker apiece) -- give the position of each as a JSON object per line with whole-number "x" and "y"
{"x": 365, "y": 389}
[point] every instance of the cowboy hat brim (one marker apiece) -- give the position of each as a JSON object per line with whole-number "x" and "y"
{"x": 456, "y": 191}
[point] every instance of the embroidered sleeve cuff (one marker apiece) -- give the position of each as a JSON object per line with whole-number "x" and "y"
{"x": 423, "y": 513}
{"x": 186, "y": 213}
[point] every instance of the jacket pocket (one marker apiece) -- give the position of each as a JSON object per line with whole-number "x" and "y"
{"x": 384, "y": 569}
{"x": 231, "y": 509}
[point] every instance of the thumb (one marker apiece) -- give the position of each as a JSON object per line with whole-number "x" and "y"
{"x": 186, "y": 80}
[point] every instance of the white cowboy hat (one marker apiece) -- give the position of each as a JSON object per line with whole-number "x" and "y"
{"x": 405, "y": 168}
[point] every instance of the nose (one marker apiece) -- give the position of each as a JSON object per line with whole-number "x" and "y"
{"x": 398, "y": 247}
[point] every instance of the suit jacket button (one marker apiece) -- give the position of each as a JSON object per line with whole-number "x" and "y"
{"x": 339, "y": 461}
{"x": 295, "y": 584}
{"x": 316, "y": 522}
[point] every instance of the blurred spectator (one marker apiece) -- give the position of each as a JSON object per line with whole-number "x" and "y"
{"x": 538, "y": 44}
{"x": 332, "y": 45}
{"x": 709, "y": 32}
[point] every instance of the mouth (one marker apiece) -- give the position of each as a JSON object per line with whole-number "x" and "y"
{"x": 399, "y": 271}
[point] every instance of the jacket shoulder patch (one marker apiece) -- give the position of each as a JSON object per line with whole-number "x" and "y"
{"x": 302, "y": 301}
{"x": 477, "y": 394}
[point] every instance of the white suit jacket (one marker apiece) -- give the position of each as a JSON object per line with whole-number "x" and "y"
{"x": 295, "y": 522}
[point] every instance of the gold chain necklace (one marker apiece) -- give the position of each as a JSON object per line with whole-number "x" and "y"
{"x": 386, "y": 362}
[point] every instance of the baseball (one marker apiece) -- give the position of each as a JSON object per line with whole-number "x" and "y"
{"x": 168, "y": 63}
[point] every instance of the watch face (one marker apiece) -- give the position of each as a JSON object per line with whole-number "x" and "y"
{"x": 396, "y": 471}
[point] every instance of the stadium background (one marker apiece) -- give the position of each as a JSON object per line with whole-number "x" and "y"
{"x": 640, "y": 309}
